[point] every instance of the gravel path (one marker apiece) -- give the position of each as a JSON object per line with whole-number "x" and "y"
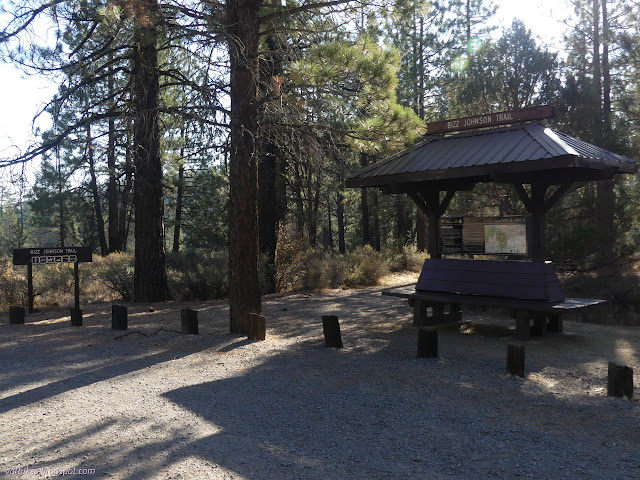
{"x": 156, "y": 404}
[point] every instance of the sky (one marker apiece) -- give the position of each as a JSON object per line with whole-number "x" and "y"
{"x": 22, "y": 96}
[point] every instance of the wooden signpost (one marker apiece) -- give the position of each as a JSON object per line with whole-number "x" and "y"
{"x": 491, "y": 120}
{"x": 50, "y": 256}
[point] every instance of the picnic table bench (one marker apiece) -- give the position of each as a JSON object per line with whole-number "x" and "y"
{"x": 532, "y": 290}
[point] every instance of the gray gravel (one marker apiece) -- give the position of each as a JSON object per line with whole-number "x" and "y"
{"x": 156, "y": 404}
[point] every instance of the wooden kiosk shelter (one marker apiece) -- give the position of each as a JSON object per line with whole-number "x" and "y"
{"x": 516, "y": 148}
{"x": 525, "y": 152}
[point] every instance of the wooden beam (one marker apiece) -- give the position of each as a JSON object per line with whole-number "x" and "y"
{"x": 524, "y": 196}
{"x": 556, "y": 196}
{"x": 446, "y": 201}
{"x": 419, "y": 201}
{"x": 538, "y": 222}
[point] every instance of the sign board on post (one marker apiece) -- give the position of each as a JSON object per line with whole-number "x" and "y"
{"x": 51, "y": 256}
{"x": 484, "y": 235}
{"x": 491, "y": 120}
{"x": 47, "y": 256}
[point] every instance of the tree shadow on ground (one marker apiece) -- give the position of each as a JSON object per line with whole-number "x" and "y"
{"x": 43, "y": 358}
{"x": 368, "y": 411}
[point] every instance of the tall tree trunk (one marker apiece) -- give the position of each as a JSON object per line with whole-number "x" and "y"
{"x": 126, "y": 208}
{"x": 314, "y": 208}
{"x": 364, "y": 206}
{"x": 468, "y": 21}
{"x": 150, "y": 278}
{"x": 61, "y": 216}
{"x": 606, "y": 74}
{"x": 597, "y": 74}
{"x": 340, "y": 214}
{"x": 401, "y": 226}
{"x": 178, "y": 216}
{"x": 271, "y": 185}
{"x": 376, "y": 222}
{"x": 421, "y": 73}
{"x": 421, "y": 231}
{"x": 297, "y": 194}
{"x": 95, "y": 194}
{"x": 115, "y": 238}
{"x": 408, "y": 226}
{"x": 269, "y": 213}
{"x": 61, "y": 181}
{"x": 605, "y": 192}
{"x": 329, "y": 224}
{"x": 244, "y": 288}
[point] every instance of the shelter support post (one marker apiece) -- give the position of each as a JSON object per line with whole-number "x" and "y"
{"x": 537, "y": 204}
{"x": 30, "y": 286}
{"x": 76, "y": 289}
{"x": 429, "y": 202}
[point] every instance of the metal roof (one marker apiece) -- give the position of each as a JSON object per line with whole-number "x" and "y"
{"x": 512, "y": 154}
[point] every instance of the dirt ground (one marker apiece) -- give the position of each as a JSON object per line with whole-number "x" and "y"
{"x": 152, "y": 403}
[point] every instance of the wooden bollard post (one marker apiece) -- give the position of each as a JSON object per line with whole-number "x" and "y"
{"x": 118, "y": 317}
{"x": 189, "y": 320}
{"x": 257, "y": 327}
{"x": 523, "y": 328}
{"x": 427, "y": 343}
{"x": 515, "y": 360}
{"x": 16, "y": 315}
{"x": 620, "y": 381}
{"x": 76, "y": 317}
{"x": 331, "y": 328}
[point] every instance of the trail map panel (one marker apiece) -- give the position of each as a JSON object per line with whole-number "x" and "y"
{"x": 484, "y": 235}
{"x": 505, "y": 239}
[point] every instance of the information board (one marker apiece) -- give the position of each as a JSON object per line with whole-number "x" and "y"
{"x": 484, "y": 235}
{"x": 45, "y": 256}
{"x": 52, "y": 256}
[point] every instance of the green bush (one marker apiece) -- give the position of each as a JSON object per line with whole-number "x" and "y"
{"x": 54, "y": 284}
{"x": 407, "y": 259}
{"x": 308, "y": 270}
{"x": 115, "y": 271}
{"x": 198, "y": 275}
{"x": 366, "y": 267}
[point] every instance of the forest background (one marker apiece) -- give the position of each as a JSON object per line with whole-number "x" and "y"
{"x": 192, "y": 142}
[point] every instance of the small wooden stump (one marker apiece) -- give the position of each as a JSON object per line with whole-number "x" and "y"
{"x": 257, "y": 327}
{"x": 118, "y": 317}
{"x": 427, "y": 343}
{"x": 515, "y": 360}
{"x": 16, "y": 315}
{"x": 189, "y": 320}
{"x": 76, "y": 317}
{"x": 620, "y": 381}
{"x": 331, "y": 328}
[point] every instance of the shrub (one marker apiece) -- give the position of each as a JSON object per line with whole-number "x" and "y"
{"x": 198, "y": 275}
{"x": 54, "y": 284}
{"x": 365, "y": 267}
{"x": 13, "y": 283}
{"x": 291, "y": 260}
{"x": 309, "y": 270}
{"x": 115, "y": 271}
{"x": 407, "y": 259}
